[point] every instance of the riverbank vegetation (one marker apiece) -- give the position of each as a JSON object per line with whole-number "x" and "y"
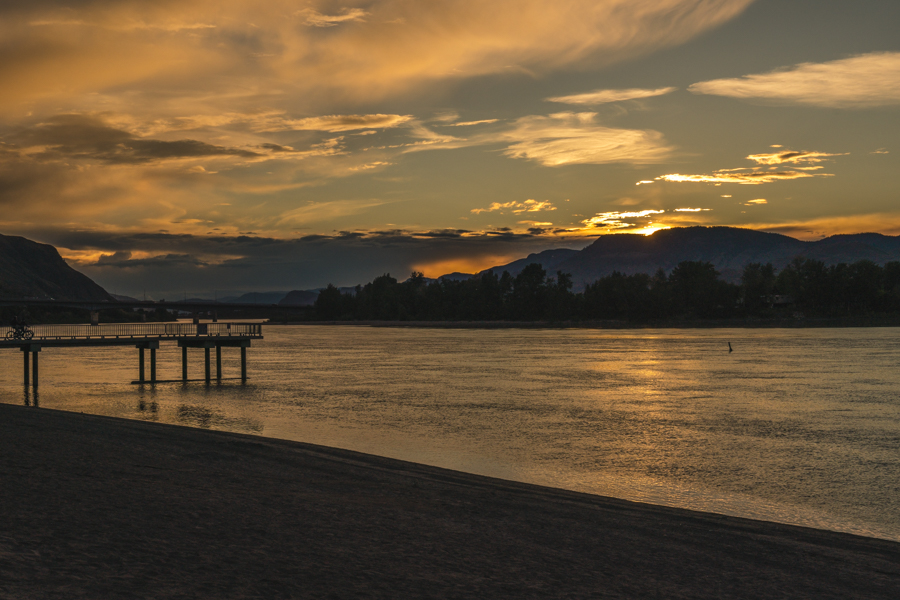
{"x": 692, "y": 290}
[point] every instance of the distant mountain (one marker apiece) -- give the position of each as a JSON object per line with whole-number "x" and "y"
{"x": 255, "y": 298}
{"x": 121, "y": 298}
{"x": 37, "y": 271}
{"x": 548, "y": 259}
{"x": 299, "y": 298}
{"x": 728, "y": 248}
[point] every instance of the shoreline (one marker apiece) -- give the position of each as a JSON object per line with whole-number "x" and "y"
{"x": 99, "y": 507}
{"x": 775, "y": 323}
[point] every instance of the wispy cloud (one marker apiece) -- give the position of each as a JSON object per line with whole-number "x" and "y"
{"x": 606, "y": 96}
{"x": 863, "y": 81}
{"x": 780, "y": 158}
{"x": 471, "y": 123}
{"x": 621, "y": 220}
{"x": 752, "y": 178}
{"x": 316, "y": 19}
{"x": 575, "y": 138}
{"x": 381, "y": 50}
{"x": 766, "y": 170}
{"x": 332, "y": 123}
{"x": 517, "y": 207}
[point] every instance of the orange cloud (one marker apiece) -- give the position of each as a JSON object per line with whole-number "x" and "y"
{"x": 605, "y": 96}
{"x": 574, "y": 138}
{"x": 753, "y": 178}
{"x": 517, "y": 207}
{"x": 862, "y": 81}
{"x": 789, "y": 156}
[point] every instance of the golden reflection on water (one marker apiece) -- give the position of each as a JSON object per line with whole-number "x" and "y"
{"x": 799, "y": 426}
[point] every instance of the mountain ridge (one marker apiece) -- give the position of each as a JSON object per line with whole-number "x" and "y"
{"x": 729, "y": 249}
{"x": 30, "y": 270}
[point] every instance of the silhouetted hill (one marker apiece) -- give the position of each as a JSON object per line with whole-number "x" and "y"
{"x": 32, "y": 270}
{"x": 728, "y": 248}
{"x": 299, "y": 298}
{"x": 255, "y": 298}
{"x": 548, "y": 259}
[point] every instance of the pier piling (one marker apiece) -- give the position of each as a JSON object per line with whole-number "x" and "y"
{"x": 34, "y": 368}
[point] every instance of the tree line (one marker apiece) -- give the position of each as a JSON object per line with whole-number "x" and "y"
{"x": 692, "y": 290}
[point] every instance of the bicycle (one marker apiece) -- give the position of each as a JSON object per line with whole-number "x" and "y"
{"x": 20, "y": 332}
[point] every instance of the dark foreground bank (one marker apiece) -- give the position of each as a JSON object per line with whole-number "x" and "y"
{"x": 94, "y": 507}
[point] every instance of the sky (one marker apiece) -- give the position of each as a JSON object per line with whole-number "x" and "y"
{"x": 205, "y": 147}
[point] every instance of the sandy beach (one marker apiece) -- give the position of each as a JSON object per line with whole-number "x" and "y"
{"x": 94, "y": 507}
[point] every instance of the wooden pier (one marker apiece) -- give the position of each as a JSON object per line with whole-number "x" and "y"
{"x": 143, "y": 336}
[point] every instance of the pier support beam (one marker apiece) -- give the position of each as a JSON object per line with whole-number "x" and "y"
{"x": 152, "y": 365}
{"x": 30, "y": 359}
{"x": 141, "y": 364}
{"x": 208, "y": 345}
{"x": 142, "y": 374}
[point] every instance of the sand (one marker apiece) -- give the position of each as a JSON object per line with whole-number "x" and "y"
{"x": 95, "y": 507}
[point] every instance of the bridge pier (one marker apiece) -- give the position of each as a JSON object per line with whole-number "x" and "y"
{"x": 206, "y": 354}
{"x": 25, "y": 355}
{"x": 244, "y": 364}
{"x": 218, "y": 362}
{"x": 184, "y": 364}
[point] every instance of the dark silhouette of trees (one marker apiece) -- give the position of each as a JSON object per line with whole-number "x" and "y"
{"x": 692, "y": 290}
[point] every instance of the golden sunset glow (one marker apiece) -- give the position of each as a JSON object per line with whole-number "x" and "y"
{"x": 286, "y": 145}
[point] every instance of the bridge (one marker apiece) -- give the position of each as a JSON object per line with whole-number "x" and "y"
{"x": 143, "y": 336}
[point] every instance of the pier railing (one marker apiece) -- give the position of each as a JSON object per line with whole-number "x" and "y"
{"x": 141, "y": 331}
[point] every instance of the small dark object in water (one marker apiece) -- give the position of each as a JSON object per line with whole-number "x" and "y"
{"x": 730, "y": 349}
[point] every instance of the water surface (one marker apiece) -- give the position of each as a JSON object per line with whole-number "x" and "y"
{"x": 798, "y": 426}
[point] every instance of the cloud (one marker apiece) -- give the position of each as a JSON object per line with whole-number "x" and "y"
{"x": 780, "y": 158}
{"x": 758, "y": 175}
{"x": 887, "y": 223}
{"x": 84, "y": 137}
{"x": 620, "y": 220}
{"x": 325, "y": 51}
{"x": 574, "y": 138}
{"x": 517, "y": 207}
{"x": 864, "y": 81}
{"x": 605, "y": 96}
{"x": 317, "y": 19}
{"x": 167, "y": 265}
{"x": 470, "y": 123}
{"x": 332, "y": 123}
{"x": 753, "y": 178}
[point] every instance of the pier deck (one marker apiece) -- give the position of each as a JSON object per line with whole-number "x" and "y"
{"x": 143, "y": 336}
